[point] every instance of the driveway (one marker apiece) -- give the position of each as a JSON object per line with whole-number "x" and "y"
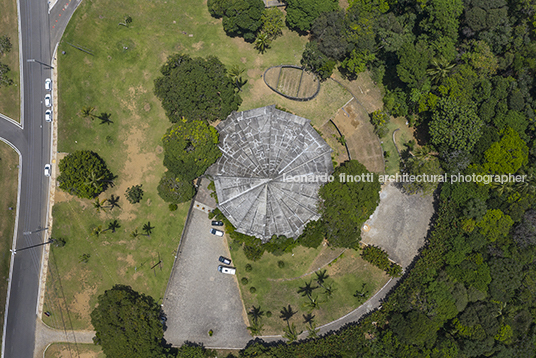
{"x": 199, "y": 298}
{"x": 399, "y": 224}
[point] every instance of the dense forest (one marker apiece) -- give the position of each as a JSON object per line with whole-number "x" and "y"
{"x": 463, "y": 73}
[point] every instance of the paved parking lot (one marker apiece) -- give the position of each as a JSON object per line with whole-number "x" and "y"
{"x": 399, "y": 224}
{"x": 199, "y": 298}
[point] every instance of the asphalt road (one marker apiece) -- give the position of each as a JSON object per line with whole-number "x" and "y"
{"x": 33, "y": 140}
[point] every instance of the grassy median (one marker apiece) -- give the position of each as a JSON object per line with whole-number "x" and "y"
{"x": 9, "y": 26}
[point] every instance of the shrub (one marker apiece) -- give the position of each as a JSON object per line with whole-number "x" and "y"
{"x": 134, "y": 194}
{"x": 175, "y": 190}
{"x": 244, "y": 280}
{"x": 268, "y": 314}
{"x": 173, "y": 207}
{"x": 252, "y": 290}
{"x": 376, "y": 256}
{"x": 59, "y": 242}
{"x": 394, "y": 270}
{"x": 281, "y": 264}
{"x": 249, "y": 268}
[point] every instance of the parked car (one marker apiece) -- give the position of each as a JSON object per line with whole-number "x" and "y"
{"x": 48, "y": 84}
{"x": 48, "y": 100}
{"x": 216, "y": 232}
{"x": 47, "y": 170}
{"x": 217, "y": 223}
{"x": 227, "y": 270}
{"x": 225, "y": 260}
{"x": 48, "y": 115}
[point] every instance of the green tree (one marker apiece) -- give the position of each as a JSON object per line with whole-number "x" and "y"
{"x": 413, "y": 328}
{"x": 190, "y": 148}
{"x": 273, "y": 22}
{"x": 127, "y": 324}
{"x": 5, "y": 45}
{"x": 262, "y": 42}
{"x": 84, "y": 258}
{"x": 113, "y": 225}
{"x": 113, "y": 202}
{"x": 302, "y": 13}
{"x": 196, "y": 88}
{"x": 134, "y": 194}
{"x": 413, "y": 63}
{"x": 174, "y": 189}
{"x": 147, "y": 228}
{"x": 454, "y": 127}
{"x": 287, "y": 313}
{"x": 429, "y": 167}
{"x": 495, "y": 225}
{"x": 99, "y": 205}
{"x": 4, "y": 78}
{"x": 240, "y": 17}
{"x": 507, "y": 155}
{"x": 307, "y": 290}
{"x": 329, "y": 31}
{"x": 315, "y": 61}
{"x": 441, "y": 18}
{"x": 313, "y": 234}
{"x": 87, "y": 111}
{"x": 346, "y": 204}
{"x": 76, "y": 167}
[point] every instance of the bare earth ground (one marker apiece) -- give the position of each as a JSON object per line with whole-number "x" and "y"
{"x": 363, "y": 144}
{"x": 364, "y": 90}
{"x": 400, "y": 224}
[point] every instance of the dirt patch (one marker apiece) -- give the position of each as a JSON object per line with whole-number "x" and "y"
{"x": 147, "y": 107}
{"x": 325, "y": 256}
{"x": 363, "y": 144}
{"x": 365, "y": 90}
{"x": 80, "y": 304}
{"x": 198, "y": 45}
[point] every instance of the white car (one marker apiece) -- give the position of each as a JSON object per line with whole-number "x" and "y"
{"x": 48, "y": 84}
{"x": 216, "y": 232}
{"x": 227, "y": 270}
{"x": 48, "y": 115}
{"x": 47, "y": 170}
{"x": 48, "y": 100}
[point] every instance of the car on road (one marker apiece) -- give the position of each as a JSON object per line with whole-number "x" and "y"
{"x": 48, "y": 115}
{"x": 224, "y": 260}
{"x": 227, "y": 270}
{"x": 48, "y": 84}
{"x": 48, "y": 100}
{"x": 216, "y": 232}
{"x": 217, "y": 223}
{"x": 47, "y": 170}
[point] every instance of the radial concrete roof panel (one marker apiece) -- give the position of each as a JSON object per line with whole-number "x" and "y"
{"x": 260, "y": 149}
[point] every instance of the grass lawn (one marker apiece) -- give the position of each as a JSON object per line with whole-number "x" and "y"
{"x": 9, "y": 174}
{"x": 9, "y": 25}
{"x": 277, "y": 287}
{"x": 402, "y": 136}
{"x": 115, "y": 258}
{"x": 118, "y": 78}
{"x": 68, "y": 350}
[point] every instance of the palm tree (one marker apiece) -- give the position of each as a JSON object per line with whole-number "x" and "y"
{"x": 308, "y": 318}
{"x": 256, "y": 313}
{"x": 321, "y": 277}
{"x": 113, "y": 225}
{"x": 113, "y": 202}
{"x": 235, "y": 73}
{"x": 134, "y": 234}
{"x": 502, "y": 188}
{"x": 328, "y": 291}
{"x": 87, "y": 111}
{"x": 256, "y": 329}
{"x": 291, "y": 333}
{"x": 97, "y": 231}
{"x": 262, "y": 42}
{"x": 307, "y": 290}
{"x": 287, "y": 313}
{"x": 105, "y": 118}
{"x": 147, "y": 228}
{"x": 98, "y": 205}
{"x": 92, "y": 180}
{"x": 527, "y": 186}
{"x": 422, "y": 152}
{"x": 440, "y": 70}
{"x": 313, "y": 303}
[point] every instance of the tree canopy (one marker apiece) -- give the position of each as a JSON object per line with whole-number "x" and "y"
{"x": 196, "y": 89}
{"x": 127, "y": 324}
{"x": 190, "y": 147}
{"x": 346, "y": 205}
{"x": 240, "y": 17}
{"x": 302, "y": 13}
{"x": 84, "y": 173}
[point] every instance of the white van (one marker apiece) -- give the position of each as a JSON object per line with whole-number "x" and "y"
{"x": 227, "y": 270}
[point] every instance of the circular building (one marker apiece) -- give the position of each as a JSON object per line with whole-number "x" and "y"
{"x": 271, "y": 168}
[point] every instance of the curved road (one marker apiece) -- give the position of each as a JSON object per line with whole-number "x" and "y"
{"x": 32, "y": 139}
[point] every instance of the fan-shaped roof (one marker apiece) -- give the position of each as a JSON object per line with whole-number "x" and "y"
{"x": 261, "y": 149}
